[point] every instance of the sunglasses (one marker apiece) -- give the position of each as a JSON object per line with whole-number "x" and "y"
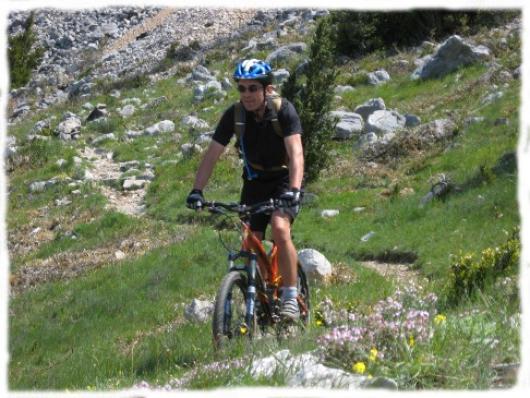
{"x": 252, "y": 88}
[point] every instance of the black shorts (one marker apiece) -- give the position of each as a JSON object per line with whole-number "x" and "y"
{"x": 255, "y": 191}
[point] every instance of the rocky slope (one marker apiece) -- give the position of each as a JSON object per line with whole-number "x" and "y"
{"x": 116, "y": 42}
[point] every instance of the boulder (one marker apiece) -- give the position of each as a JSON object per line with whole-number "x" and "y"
{"x": 437, "y": 130}
{"x": 189, "y": 149}
{"x": 451, "y": 55}
{"x": 195, "y": 123}
{"x": 69, "y": 129}
{"x": 133, "y": 184}
{"x": 315, "y": 264}
{"x": 378, "y": 77}
{"x": 280, "y": 75}
{"x": 286, "y": 52}
{"x": 412, "y": 120}
{"x": 127, "y": 111}
{"x": 384, "y": 121}
{"x": 370, "y": 106}
{"x": 202, "y": 74}
{"x": 343, "y": 89}
{"x": 198, "y": 310}
{"x": 165, "y": 126}
{"x": 349, "y": 124}
{"x": 304, "y": 370}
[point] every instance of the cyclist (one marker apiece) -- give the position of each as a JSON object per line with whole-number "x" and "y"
{"x": 273, "y": 165}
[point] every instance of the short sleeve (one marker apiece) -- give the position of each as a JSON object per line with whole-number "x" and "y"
{"x": 225, "y": 128}
{"x": 289, "y": 119}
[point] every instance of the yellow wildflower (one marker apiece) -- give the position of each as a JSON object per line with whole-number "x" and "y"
{"x": 439, "y": 319}
{"x": 412, "y": 342}
{"x": 373, "y": 354}
{"x": 359, "y": 367}
{"x": 319, "y": 322}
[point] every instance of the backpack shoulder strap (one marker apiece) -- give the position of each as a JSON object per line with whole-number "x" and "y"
{"x": 275, "y": 102}
{"x": 239, "y": 120}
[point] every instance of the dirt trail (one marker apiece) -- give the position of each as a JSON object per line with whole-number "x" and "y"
{"x": 133, "y": 33}
{"x": 104, "y": 170}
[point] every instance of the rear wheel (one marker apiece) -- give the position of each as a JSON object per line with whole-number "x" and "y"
{"x": 230, "y": 310}
{"x": 288, "y": 330}
{"x": 303, "y": 297}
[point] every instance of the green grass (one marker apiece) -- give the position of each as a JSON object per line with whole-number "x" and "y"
{"x": 122, "y": 323}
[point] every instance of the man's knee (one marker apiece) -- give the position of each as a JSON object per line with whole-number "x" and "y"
{"x": 281, "y": 229}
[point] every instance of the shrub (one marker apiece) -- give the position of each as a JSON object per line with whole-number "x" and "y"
{"x": 313, "y": 99}
{"x": 469, "y": 275}
{"x": 360, "y": 33}
{"x": 23, "y": 55}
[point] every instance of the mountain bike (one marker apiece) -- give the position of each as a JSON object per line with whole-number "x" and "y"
{"x": 248, "y": 299}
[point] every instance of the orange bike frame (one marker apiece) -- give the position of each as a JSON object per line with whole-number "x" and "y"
{"x": 267, "y": 264}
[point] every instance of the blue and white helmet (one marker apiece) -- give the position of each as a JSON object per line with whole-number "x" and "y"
{"x": 254, "y": 69}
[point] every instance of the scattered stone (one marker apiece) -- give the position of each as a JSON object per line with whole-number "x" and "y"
{"x": 368, "y": 139}
{"x": 286, "y": 52}
{"x": 198, "y": 310}
{"x": 368, "y": 236}
{"x": 349, "y": 124}
{"x": 412, "y": 120}
{"x": 378, "y": 77}
{"x": 384, "y": 121}
{"x": 492, "y": 97}
{"x": 126, "y": 166}
{"x": 189, "y": 149}
{"x": 315, "y": 264}
{"x": 134, "y": 134}
{"x": 195, "y": 123}
{"x": 473, "y": 120}
{"x": 329, "y": 213}
{"x": 280, "y": 75}
{"x": 104, "y": 137}
{"x": 165, "y": 126}
{"x": 127, "y": 111}
{"x": 437, "y": 130}
{"x": 62, "y": 202}
{"x": 119, "y": 255}
{"x": 69, "y": 129}
{"x": 343, "y": 89}
{"x": 369, "y": 107}
{"x": 133, "y": 184}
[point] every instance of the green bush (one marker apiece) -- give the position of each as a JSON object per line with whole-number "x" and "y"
{"x": 313, "y": 100}
{"x": 469, "y": 275}
{"x": 23, "y": 55}
{"x": 360, "y": 33}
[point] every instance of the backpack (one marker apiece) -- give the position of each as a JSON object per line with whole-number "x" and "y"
{"x": 274, "y": 102}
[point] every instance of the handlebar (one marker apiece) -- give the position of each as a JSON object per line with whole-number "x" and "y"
{"x": 265, "y": 207}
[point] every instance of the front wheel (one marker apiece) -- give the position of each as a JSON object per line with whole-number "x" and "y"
{"x": 230, "y": 309}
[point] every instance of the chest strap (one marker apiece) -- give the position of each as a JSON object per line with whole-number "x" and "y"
{"x": 274, "y": 102}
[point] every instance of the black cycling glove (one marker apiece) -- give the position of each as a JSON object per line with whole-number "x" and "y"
{"x": 291, "y": 198}
{"x": 195, "y": 199}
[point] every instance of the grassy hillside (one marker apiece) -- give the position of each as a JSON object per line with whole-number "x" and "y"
{"x": 119, "y": 321}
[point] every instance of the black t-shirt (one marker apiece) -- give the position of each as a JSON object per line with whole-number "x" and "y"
{"x": 261, "y": 143}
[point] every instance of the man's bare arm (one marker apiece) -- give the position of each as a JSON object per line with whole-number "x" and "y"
{"x": 207, "y": 164}
{"x": 293, "y": 145}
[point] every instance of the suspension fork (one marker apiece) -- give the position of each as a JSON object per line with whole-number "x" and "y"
{"x": 251, "y": 290}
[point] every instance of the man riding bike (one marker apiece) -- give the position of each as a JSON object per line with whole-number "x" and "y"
{"x": 269, "y": 138}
